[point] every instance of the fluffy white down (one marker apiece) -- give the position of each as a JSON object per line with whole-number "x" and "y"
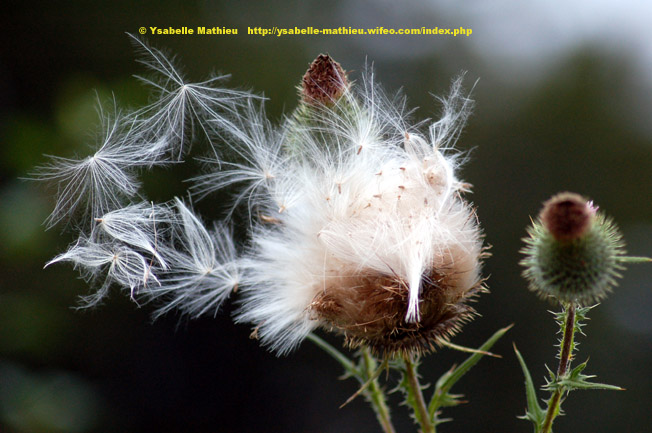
{"x": 359, "y": 204}
{"x": 356, "y": 190}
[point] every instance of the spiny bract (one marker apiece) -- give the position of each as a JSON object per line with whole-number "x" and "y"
{"x": 573, "y": 252}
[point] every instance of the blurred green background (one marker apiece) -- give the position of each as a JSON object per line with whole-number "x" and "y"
{"x": 563, "y": 103}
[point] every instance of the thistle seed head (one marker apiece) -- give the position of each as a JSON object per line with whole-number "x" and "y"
{"x": 356, "y": 215}
{"x": 370, "y": 311}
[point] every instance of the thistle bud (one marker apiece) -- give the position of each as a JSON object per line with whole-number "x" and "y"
{"x": 573, "y": 252}
{"x": 324, "y": 82}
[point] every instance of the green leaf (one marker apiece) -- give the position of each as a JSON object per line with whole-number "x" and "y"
{"x": 576, "y": 380}
{"x": 441, "y": 396}
{"x": 534, "y": 412}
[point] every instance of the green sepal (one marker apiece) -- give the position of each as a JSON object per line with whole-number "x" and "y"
{"x": 534, "y": 412}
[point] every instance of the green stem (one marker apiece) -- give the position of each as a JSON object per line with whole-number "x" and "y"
{"x": 420, "y": 408}
{"x": 567, "y": 341}
{"x": 375, "y": 392}
{"x": 564, "y": 362}
{"x": 377, "y": 397}
{"x": 336, "y": 354}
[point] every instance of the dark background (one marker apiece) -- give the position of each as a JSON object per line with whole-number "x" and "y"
{"x": 563, "y": 103}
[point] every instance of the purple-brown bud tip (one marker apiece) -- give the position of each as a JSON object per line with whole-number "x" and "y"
{"x": 324, "y": 82}
{"x": 567, "y": 216}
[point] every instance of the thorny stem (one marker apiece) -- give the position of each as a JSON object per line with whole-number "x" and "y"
{"x": 567, "y": 341}
{"x": 377, "y": 397}
{"x": 564, "y": 362}
{"x": 421, "y": 410}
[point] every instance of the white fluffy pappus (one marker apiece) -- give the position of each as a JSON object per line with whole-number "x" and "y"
{"x": 157, "y": 252}
{"x": 204, "y": 268}
{"x": 101, "y": 182}
{"x": 377, "y": 220}
{"x": 111, "y": 262}
{"x": 356, "y": 218}
{"x": 179, "y": 109}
